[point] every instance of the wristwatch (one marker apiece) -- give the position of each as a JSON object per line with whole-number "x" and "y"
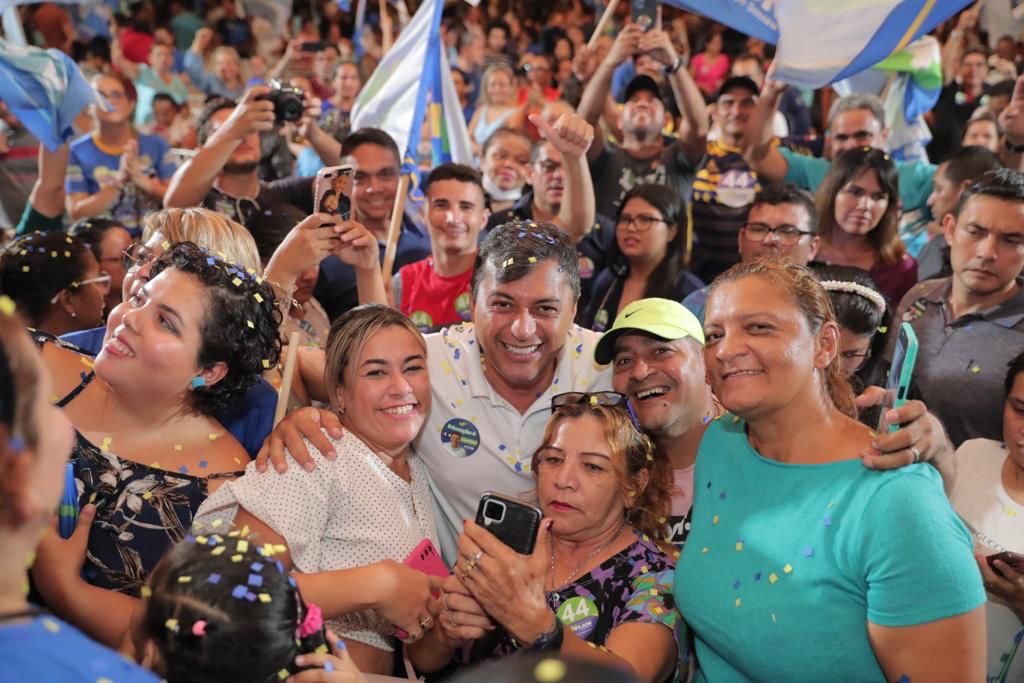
{"x": 676, "y": 65}
{"x": 550, "y": 641}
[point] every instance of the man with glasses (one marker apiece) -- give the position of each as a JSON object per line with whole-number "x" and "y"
{"x": 562, "y": 194}
{"x": 782, "y": 222}
{"x": 112, "y": 170}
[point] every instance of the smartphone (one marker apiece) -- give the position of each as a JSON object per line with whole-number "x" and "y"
{"x": 512, "y": 522}
{"x": 315, "y": 46}
{"x": 900, "y": 373}
{"x": 332, "y": 191}
{"x": 1015, "y": 560}
{"x": 645, "y": 13}
{"x": 425, "y": 558}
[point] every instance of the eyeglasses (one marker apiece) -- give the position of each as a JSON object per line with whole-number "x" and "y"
{"x": 642, "y": 222}
{"x": 102, "y": 281}
{"x": 136, "y": 255}
{"x": 549, "y": 167}
{"x": 608, "y": 399}
{"x": 854, "y": 360}
{"x": 786, "y": 235}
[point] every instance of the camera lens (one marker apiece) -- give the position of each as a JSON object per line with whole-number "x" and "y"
{"x": 494, "y": 510}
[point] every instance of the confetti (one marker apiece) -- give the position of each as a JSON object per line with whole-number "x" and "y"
{"x": 714, "y": 520}
{"x": 236, "y": 558}
{"x": 219, "y": 550}
{"x": 237, "y": 281}
{"x": 975, "y": 370}
{"x": 266, "y": 363}
{"x": 549, "y": 670}
{"x": 739, "y": 602}
{"x": 50, "y": 625}
{"x": 808, "y": 551}
{"x": 705, "y": 551}
{"x": 255, "y": 580}
{"x": 146, "y": 592}
{"x": 239, "y": 591}
{"x": 283, "y": 674}
{"x": 772, "y": 578}
{"x": 739, "y": 546}
{"x": 757, "y": 576}
{"x": 105, "y": 443}
{"x": 213, "y": 578}
{"x": 243, "y": 545}
{"x": 25, "y": 269}
{"x": 259, "y": 299}
{"x": 184, "y": 579}
{"x": 828, "y": 520}
{"x": 773, "y": 618}
{"x": 788, "y": 569}
{"x": 532, "y": 259}
{"x": 736, "y": 584}
{"x": 213, "y": 437}
{"x": 165, "y": 244}
{"x": 250, "y": 325}
{"x": 177, "y": 446}
{"x": 264, "y": 597}
{"x": 147, "y": 495}
{"x": 171, "y": 625}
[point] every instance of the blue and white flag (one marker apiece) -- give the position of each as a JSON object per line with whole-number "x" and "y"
{"x": 45, "y": 89}
{"x": 821, "y": 41}
{"x": 411, "y": 80}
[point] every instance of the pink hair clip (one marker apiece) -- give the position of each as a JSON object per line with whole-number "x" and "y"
{"x": 199, "y": 628}
{"x": 312, "y": 622}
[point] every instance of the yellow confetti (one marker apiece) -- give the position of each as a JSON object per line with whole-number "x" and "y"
{"x": 177, "y": 446}
{"x": 50, "y": 625}
{"x": 7, "y": 305}
{"x": 237, "y": 281}
{"x": 236, "y": 558}
{"x": 788, "y": 569}
{"x": 69, "y": 240}
{"x": 165, "y": 244}
{"x": 67, "y": 254}
{"x": 146, "y": 592}
{"x": 219, "y": 550}
{"x": 25, "y": 269}
{"x": 155, "y": 465}
{"x": 735, "y": 418}
{"x": 213, "y": 437}
{"x": 773, "y": 618}
{"x": 171, "y": 624}
{"x": 549, "y": 670}
{"x": 259, "y": 299}
{"x": 738, "y": 602}
{"x": 739, "y": 546}
{"x": 217, "y": 523}
{"x": 87, "y": 362}
{"x": 147, "y": 495}
{"x": 705, "y": 551}
{"x": 975, "y": 370}
{"x": 105, "y": 444}
{"x": 250, "y": 325}
{"x": 184, "y": 579}
{"x": 322, "y": 649}
{"x": 773, "y": 577}
{"x": 532, "y": 259}
{"x": 53, "y": 254}
{"x": 714, "y": 520}
{"x": 264, "y": 597}
{"x": 102, "y": 679}
{"x": 242, "y": 546}
{"x": 283, "y": 674}
{"x": 266, "y": 363}
{"x": 830, "y": 505}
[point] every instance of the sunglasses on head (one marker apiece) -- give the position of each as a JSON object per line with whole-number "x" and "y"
{"x": 608, "y": 399}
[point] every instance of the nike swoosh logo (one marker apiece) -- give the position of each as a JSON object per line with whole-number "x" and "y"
{"x": 626, "y": 315}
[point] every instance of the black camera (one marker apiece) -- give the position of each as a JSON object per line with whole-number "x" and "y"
{"x": 287, "y": 101}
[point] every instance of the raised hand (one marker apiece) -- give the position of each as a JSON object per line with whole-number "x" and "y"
{"x": 571, "y": 135}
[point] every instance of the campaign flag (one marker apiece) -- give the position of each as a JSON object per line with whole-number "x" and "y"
{"x": 45, "y": 89}
{"x": 822, "y": 41}
{"x": 411, "y": 81}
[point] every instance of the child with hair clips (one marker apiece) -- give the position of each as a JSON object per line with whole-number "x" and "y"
{"x": 220, "y": 608}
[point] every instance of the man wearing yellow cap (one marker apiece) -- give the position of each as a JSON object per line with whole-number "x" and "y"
{"x": 656, "y": 347}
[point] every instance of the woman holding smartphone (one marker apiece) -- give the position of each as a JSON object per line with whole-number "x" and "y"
{"x": 986, "y": 483}
{"x": 598, "y": 584}
{"x": 348, "y": 524}
{"x": 796, "y": 547}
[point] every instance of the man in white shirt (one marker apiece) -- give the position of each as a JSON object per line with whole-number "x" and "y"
{"x": 524, "y": 292}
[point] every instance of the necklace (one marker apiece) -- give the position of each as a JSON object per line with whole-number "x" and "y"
{"x": 588, "y": 558}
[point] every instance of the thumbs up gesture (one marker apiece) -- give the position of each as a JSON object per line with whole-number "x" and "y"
{"x": 571, "y": 134}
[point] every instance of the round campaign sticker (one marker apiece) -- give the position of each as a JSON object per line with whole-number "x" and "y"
{"x": 579, "y": 614}
{"x": 586, "y": 266}
{"x": 422, "y": 320}
{"x": 736, "y": 188}
{"x": 461, "y": 437}
{"x": 462, "y": 306}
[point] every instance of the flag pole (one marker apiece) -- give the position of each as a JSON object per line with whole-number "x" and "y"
{"x": 285, "y": 391}
{"x": 394, "y": 227}
{"x": 605, "y": 18}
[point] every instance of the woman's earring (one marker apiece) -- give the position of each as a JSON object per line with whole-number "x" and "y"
{"x": 198, "y": 381}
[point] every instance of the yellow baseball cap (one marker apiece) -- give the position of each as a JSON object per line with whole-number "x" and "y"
{"x": 663, "y": 318}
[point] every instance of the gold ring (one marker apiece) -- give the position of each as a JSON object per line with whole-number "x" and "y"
{"x": 427, "y": 623}
{"x": 470, "y": 564}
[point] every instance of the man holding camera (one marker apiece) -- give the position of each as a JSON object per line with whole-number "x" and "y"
{"x": 223, "y": 175}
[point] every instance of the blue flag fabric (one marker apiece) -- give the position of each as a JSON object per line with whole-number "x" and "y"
{"x": 822, "y": 41}
{"x": 45, "y": 89}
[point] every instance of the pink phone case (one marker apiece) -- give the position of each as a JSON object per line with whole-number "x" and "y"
{"x": 426, "y": 559}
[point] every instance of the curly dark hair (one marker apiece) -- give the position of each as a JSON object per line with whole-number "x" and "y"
{"x": 236, "y": 299}
{"x": 36, "y": 267}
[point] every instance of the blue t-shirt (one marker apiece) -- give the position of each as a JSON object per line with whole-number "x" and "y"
{"x": 46, "y": 649}
{"x": 785, "y": 563}
{"x": 91, "y": 167}
{"x": 250, "y": 420}
{"x": 915, "y": 178}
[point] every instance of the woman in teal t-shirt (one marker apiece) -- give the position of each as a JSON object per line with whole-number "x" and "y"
{"x": 801, "y": 564}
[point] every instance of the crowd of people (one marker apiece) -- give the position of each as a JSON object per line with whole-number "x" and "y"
{"x": 612, "y": 399}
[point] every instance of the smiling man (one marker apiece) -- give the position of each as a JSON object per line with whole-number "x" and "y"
{"x": 970, "y": 325}
{"x": 435, "y": 292}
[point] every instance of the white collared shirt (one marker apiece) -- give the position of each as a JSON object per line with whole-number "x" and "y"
{"x": 493, "y": 442}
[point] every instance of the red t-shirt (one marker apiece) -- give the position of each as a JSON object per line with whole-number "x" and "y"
{"x": 432, "y": 301}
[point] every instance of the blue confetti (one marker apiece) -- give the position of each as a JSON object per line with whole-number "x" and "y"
{"x": 328, "y": 666}
{"x": 203, "y": 464}
{"x": 213, "y": 578}
{"x": 190, "y": 539}
{"x": 736, "y": 584}
{"x": 828, "y": 520}
{"x": 255, "y": 580}
{"x": 457, "y": 354}
{"x": 707, "y": 418}
{"x": 250, "y": 596}
{"x": 721, "y": 496}
{"x": 757, "y": 576}
{"x": 808, "y": 551}
{"x": 239, "y": 591}
{"x": 183, "y": 469}
{"x": 210, "y": 261}
{"x": 280, "y": 566}
{"x": 904, "y": 679}
{"x": 502, "y": 446}
{"x": 256, "y": 567}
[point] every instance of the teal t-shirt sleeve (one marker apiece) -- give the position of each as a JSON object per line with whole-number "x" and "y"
{"x": 804, "y": 171}
{"x": 917, "y": 555}
{"x": 915, "y": 180}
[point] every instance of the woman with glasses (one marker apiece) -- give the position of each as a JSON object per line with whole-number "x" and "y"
{"x": 863, "y": 317}
{"x": 55, "y": 281}
{"x": 598, "y": 584}
{"x": 148, "y": 451}
{"x": 108, "y": 241}
{"x": 646, "y": 259}
{"x": 802, "y": 564}
{"x": 859, "y": 214}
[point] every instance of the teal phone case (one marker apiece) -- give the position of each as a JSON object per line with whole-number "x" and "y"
{"x": 906, "y": 371}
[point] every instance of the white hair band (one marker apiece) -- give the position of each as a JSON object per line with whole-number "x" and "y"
{"x": 856, "y": 288}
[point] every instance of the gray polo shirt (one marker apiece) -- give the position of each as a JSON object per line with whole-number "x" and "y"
{"x": 961, "y": 364}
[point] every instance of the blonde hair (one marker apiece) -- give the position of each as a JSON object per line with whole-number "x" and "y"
{"x": 349, "y": 334}
{"x": 804, "y": 290}
{"x": 632, "y": 453}
{"x": 489, "y": 73}
{"x": 208, "y": 229}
